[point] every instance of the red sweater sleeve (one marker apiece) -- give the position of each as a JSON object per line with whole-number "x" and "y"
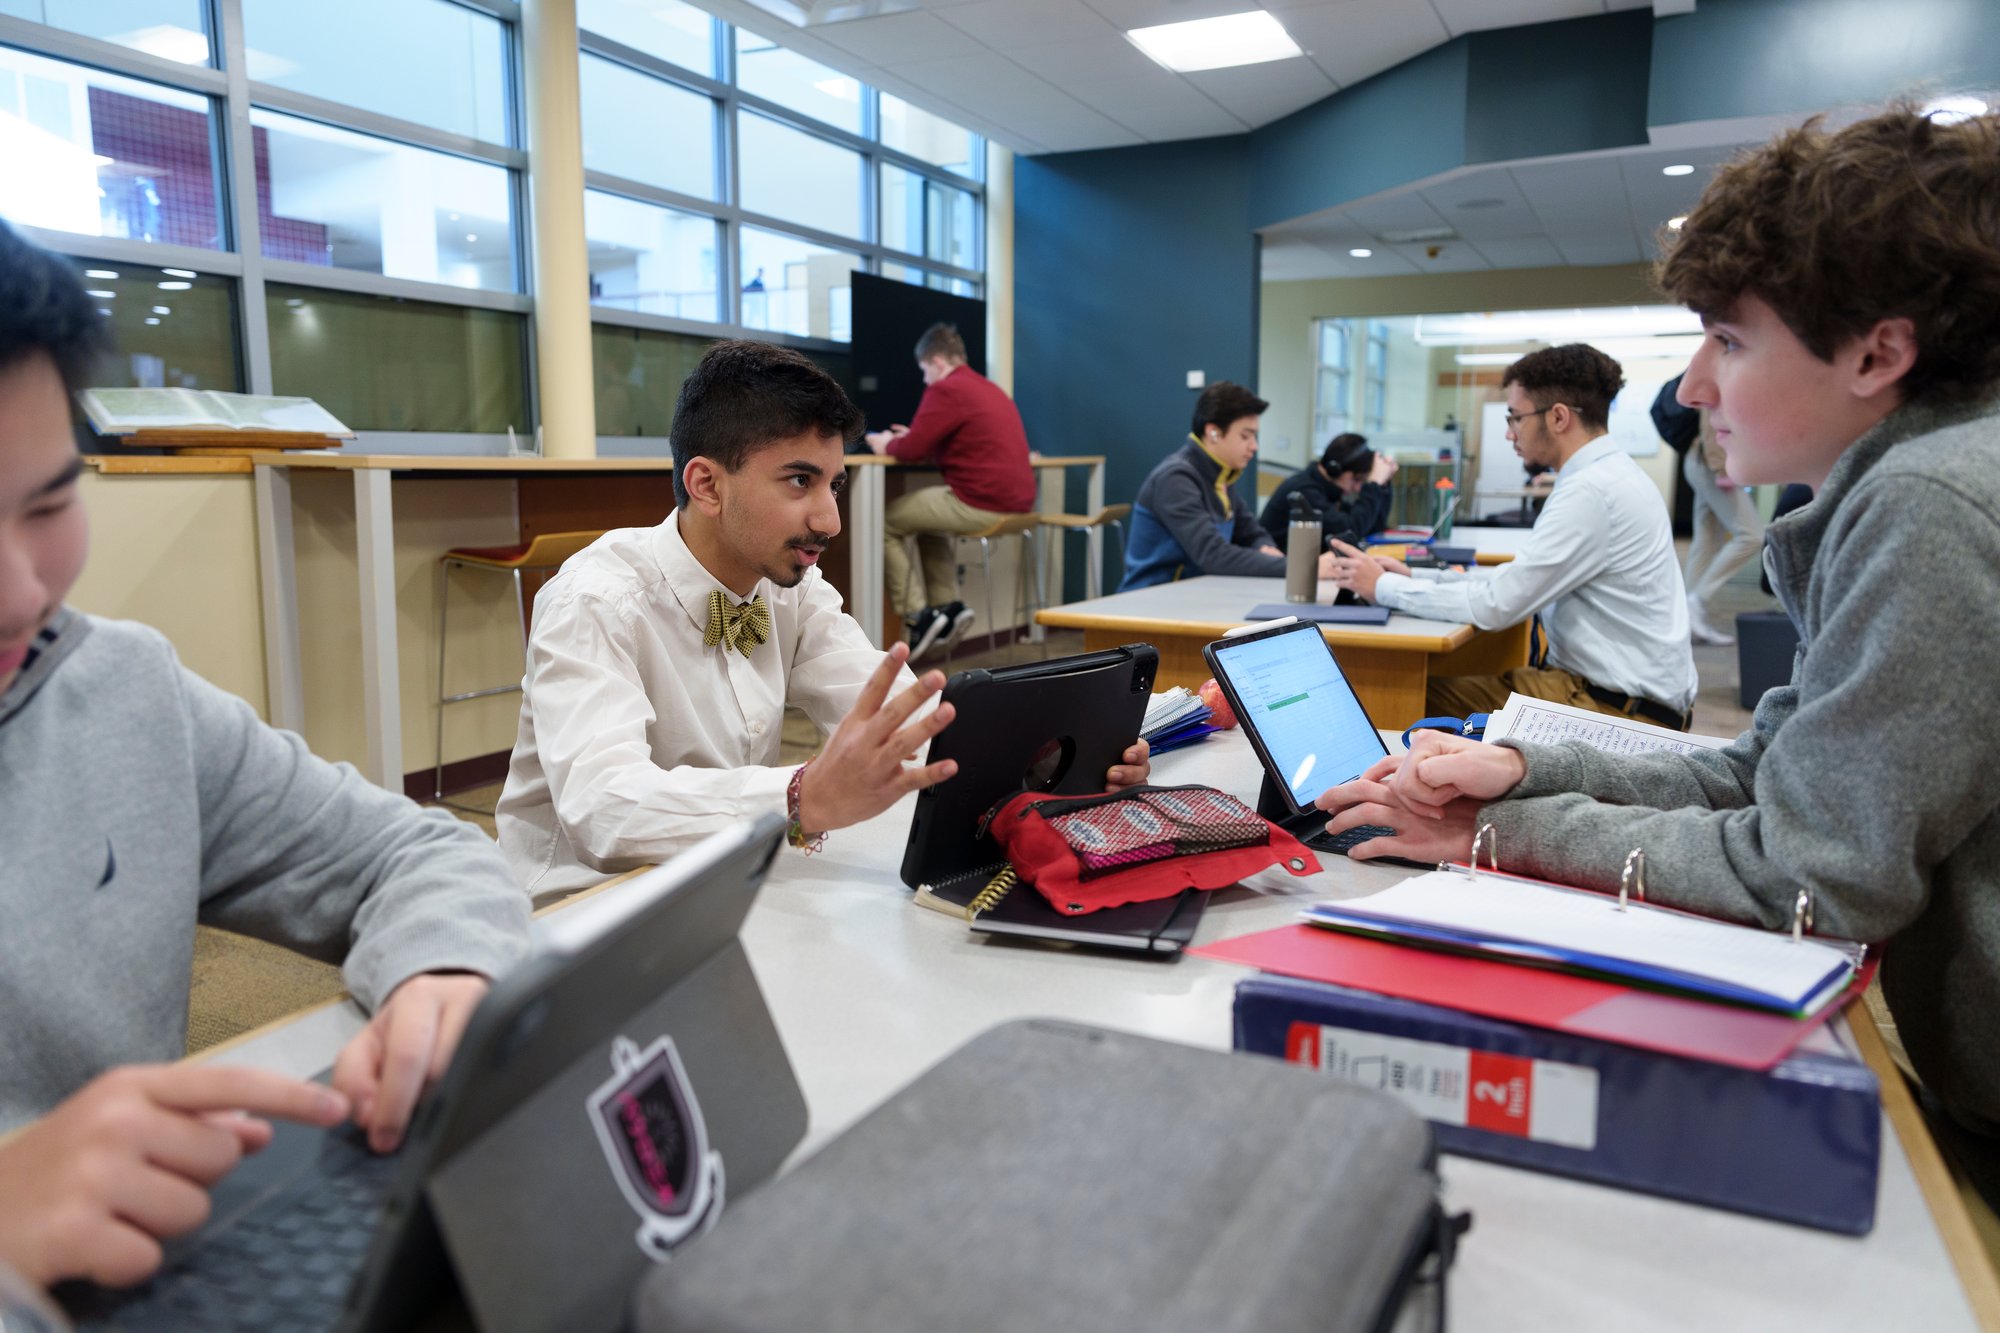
{"x": 939, "y": 413}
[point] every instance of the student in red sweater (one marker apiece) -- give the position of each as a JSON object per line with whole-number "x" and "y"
{"x": 971, "y": 428}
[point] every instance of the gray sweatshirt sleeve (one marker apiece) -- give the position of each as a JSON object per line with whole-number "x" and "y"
{"x": 1178, "y": 502}
{"x": 1856, "y": 798}
{"x": 310, "y": 855}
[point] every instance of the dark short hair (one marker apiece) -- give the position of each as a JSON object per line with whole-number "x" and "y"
{"x": 43, "y": 308}
{"x": 1222, "y": 404}
{"x": 745, "y": 395}
{"x": 1347, "y": 452}
{"x": 1575, "y": 374}
{"x": 1896, "y": 216}
{"x": 941, "y": 341}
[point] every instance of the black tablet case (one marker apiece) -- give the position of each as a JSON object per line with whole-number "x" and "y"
{"x": 1090, "y": 705}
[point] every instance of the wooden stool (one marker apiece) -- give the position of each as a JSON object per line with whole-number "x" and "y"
{"x": 1111, "y": 516}
{"x": 547, "y": 551}
{"x": 1024, "y": 526}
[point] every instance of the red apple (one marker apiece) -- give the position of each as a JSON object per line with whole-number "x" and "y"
{"x": 1218, "y": 703}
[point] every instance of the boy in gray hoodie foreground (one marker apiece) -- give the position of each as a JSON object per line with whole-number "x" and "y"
{"x": 136, "y": 799}
{"x": 1849, "y": 286}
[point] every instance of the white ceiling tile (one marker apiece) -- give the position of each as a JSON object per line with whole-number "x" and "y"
{"x": 1006, "y": 24}
{"x": 1335, "y": 231}
{"x": 1074, "y": 65}
{"x": 1183, "y": 114}
{"x": 1450, "y": 257}
{"x": 1262, "y": 93}
{"x": 1600, "y": 249}
{"x": 995, "y": 87}
{"x": 1474, "y": 15}
{"x": 1521, "y": 252}
{"x": 1482, "y": 205}
{"x": 1126, "y": 15}
{"x": 1358, "y": 38}
{"x": 899, "y": 39}
{"x": 1403, "y": 211}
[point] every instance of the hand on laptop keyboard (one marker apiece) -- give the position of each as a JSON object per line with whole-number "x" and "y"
{"x": 90, "y": 1189}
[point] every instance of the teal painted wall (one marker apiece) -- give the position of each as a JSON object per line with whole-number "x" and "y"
{"x": 1550, "y": 88}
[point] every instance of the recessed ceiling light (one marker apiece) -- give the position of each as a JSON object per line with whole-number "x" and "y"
{"x": 152, "y": 319}
{"x": 103, "y": 296}
{"x": 1951, "y": 110}
{"x": 163, "y": 310}
{"x": 471, "y": 236}
{"x": 1361, "y": 252}
{"x": 99, "y": 273}
{"x": 1677, "y": 169}
{"x": 1675, "y": 224}
{"x": 1250, "y": 38}
{"x": 178, "y": 272}
{"x": 103, "y": 310}
{"x": 175, "y": 286}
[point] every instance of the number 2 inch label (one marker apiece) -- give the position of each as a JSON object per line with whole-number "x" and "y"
{"x": 1539, "y": 1100}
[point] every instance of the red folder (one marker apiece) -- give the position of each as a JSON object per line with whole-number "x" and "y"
{"x": 1583, "y": 1006}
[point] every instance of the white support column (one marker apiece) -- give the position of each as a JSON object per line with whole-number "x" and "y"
{"x": 564, "y": 378}
{"x": 1093, "y": 502}
{"x": 865, "y": 505}
{"x": 277, "y": 577}
{"x": 381, "y": 692}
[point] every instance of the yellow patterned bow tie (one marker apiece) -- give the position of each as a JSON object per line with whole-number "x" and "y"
{"x": 741, "y": 627}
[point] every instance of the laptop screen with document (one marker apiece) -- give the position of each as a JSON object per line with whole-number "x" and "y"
{"x": 1300, "y": 713}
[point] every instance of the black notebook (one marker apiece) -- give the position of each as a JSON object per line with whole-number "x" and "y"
{"x": 996, "y": 903}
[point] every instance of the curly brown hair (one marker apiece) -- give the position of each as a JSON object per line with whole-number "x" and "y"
{"x": 1895, "y": 216}
{"x": 1574, "y": 373}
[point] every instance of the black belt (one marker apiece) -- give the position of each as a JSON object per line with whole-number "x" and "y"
{"x": 1636, "y": 705}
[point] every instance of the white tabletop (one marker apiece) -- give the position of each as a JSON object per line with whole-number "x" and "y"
{"x": 869, "y": 990}
{"x": 1214, "y": 602}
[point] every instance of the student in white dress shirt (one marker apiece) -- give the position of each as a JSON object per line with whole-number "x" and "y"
{"x": 1599, "y": 565}
{"x": 662, "y": 658}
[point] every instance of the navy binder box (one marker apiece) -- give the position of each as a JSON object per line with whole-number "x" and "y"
{"x": 1800, "y": 1142}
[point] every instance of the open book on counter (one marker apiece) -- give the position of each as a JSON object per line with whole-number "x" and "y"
{"x": 1542, "y": 722}
{"x": 206, "y": 412}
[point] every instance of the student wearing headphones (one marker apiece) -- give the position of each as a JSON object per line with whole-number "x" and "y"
{"x": 1348, "y": 488}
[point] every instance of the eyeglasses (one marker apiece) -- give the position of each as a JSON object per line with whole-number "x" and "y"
{"x": 1516, "y": 418}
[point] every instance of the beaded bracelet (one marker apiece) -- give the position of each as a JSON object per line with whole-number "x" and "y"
{"x": 795, "y": 831}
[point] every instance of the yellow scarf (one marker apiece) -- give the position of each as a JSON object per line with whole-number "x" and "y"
{"x": 1223, "y": 479}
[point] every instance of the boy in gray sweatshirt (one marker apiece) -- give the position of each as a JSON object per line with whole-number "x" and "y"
{"x": 1849, "y": 285}
{"x": 136, "y": 799}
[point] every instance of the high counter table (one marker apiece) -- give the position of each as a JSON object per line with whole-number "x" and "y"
{"x": 1389, "y": 665}
{"x": 374, "y": 511}
{"x": 869, "y": 990}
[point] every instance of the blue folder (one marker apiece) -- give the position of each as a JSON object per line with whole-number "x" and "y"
{"x": 1800, "y": 1142}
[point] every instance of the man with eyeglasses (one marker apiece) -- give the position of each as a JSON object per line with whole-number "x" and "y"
{"x": 1599, "y": 566}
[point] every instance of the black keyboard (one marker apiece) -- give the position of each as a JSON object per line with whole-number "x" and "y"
{"x": 1343, "y": 843}
{"x": 285, "y": 1262}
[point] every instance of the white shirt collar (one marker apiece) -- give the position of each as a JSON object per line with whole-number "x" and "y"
{"x": 687, "y": 578}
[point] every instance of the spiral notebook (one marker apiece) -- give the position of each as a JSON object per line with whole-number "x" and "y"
{"x": 1534, "y": 922}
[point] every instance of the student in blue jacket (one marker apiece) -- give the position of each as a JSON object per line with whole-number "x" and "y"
{"x": 1188, "y": 518}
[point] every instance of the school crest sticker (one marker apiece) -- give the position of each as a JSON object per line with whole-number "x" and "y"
{"x": 650, "y": 1127}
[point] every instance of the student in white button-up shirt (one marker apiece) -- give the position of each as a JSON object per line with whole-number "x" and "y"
{"x": 640, "y": 731}
{"x": 1599, "y": 566}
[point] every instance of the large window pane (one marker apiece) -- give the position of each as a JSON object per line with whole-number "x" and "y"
{"x": 913, "y": 130}
{"x": 937, "y": 282}
{"x": 791, "y": 175}
{"x": 88, "y": 152}
{"x": 638, "y": 377}
{"x": 923, "y": 217}
{"x": 647, "y": 130}
{"x": 794, "y": 286}
{"x": 347, "y": 200}
{"x": 670, "y": 29}
{"x": 384, "y": 363}
{"x": 644, "y": 257}
{"x": 789, "y": 79}
{"x": 170, "y": 329}
{"x": 424, "y": 60}
{"x": 170, "y": 29}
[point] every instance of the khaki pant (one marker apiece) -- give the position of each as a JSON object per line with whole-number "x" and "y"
{"x": 932, "y": 515}
{"x": 1462, "y": 696}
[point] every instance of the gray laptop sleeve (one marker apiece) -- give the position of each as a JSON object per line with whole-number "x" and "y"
{"x": 1054, "y": 1176}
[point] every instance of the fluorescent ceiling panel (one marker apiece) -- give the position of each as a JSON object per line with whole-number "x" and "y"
{"x": 1250, "y": 38}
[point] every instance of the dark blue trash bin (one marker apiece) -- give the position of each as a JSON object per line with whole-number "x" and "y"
{"x": 1765, "y": 644}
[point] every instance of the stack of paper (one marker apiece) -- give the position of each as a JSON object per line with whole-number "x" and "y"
{"x": 1175, "y": 718}
{"x": 1544, "y": 722}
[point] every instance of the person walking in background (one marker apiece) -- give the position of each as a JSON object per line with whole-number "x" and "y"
{"x": 1728, "y": 530}
{"x": 971, "y": 428}
{"x": 1348, "y": 488}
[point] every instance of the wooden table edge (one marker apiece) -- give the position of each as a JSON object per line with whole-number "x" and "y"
{"x": 1057, "y": 617}
{"x": 1941, "y": 1196}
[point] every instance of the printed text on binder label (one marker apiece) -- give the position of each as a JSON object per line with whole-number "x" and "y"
{"x": 1456, "y": 1085}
